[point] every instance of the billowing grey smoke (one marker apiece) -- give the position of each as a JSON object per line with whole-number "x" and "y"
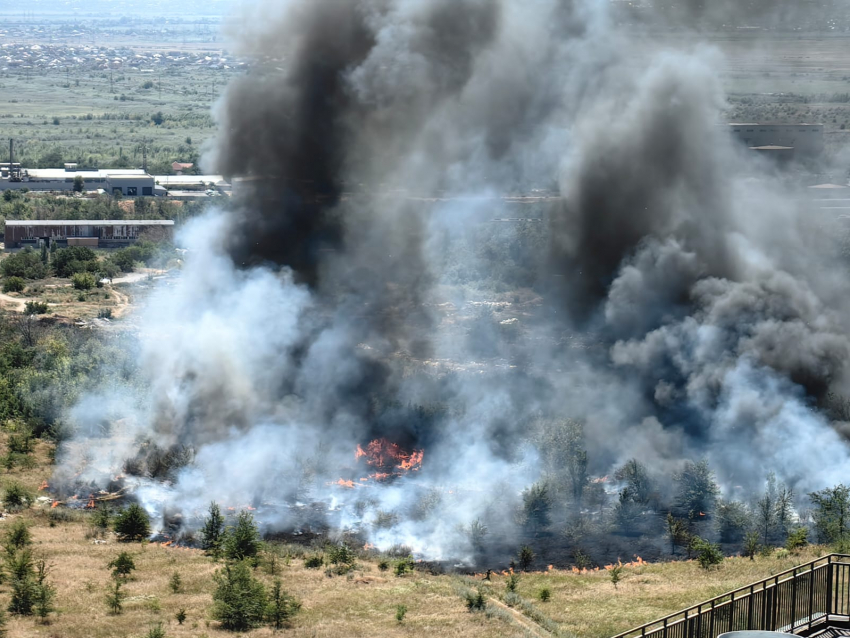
{"x": 676, "y": 307}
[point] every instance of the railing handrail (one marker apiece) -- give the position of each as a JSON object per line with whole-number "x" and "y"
{"x": 772, "y": 581}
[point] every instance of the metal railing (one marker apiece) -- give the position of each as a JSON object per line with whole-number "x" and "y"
{"x": 794, "y": 601}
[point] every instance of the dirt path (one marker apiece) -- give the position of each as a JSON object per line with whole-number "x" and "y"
{"x": 18, "y": 303}
{"x": 122, "y": 303}
{"x": 522, "y": 620}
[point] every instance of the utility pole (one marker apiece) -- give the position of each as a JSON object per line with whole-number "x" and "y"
{"x": 111, "y": 89}
{"x": 144, "y": 155}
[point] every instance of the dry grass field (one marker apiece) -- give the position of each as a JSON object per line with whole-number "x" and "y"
{"x": 360, "y": 603}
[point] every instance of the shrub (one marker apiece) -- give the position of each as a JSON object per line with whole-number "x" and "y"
{"x": 104, "y": 313}
{"x": 83, "y": 281}
{"x": 797, "y": 539}
{"x": 526, "y": 557}
{"x": 239, "y": 601}
{"x": 13, "y": 284}
{"x": 243, "y": 541}
{"x": 405, "y": 566}
{"x": 44, "y": 592}
{"x": 25, "y": 264}
{"x": 20, "y": 442}
{"x": 616, "y": 574}
{"x": 122, "y": 565}
{"x": 212, "y": 533}
{"x": 707, "y": 554}
{"x": 17, "y": 536}
{"x": 751, "y": 544}
{"x": 175, "y": 583}
{"x": 400, "y": 612}
{"x": 23, "y": 596}
{"x": 281, "y": 607}
{"x": 545, "y": 595}
{"x": 74, "y": 259}
{"x": 341, "y": 555}
{"x": 101, "y": 518}
{"x": 180, "y": 616}
{"x": 16, "y": 496}
{"x": 476, "y": 601}
{"x": 133, "y": 524}
{"x": 383, "y": 564}
{"x": 36, "y": 308}
{"x": 314, "y": 562}
{"x": 512, "y": 582}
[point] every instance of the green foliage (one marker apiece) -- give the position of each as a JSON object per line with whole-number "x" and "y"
{"x": 545, "y": 595}
{"x": 512, "y": 582}
{"x": 16, "y": 496}
{"x": 697, "y": 491}
{"x": 400, "y": 612}
{"x": 239, "y": 601}
{"x": 45, "y": 593}
{"x": 132, "y": 524}
{"x": 180, "y": 616}
{"x": 280, "y": 607}
{"x": 797, "y": 539}
{"x": 115, "y": 598}
{"x": 243, "y": 540}
{"x": 13, "y": 284}
{"x": 476, "y": 601}
{"x": 109, "y": 270}
{"x": 18, "y": 536}
{"x": 405, "y": 566}
{"x": 83, "y": 281}
{"x": 733, "y": 520}
{"x": 23, "y": 598}
{"x": 74, "y": 259}
{"x": 156, "y": 631}
{"x": 20, "y": 441}
{"x": 752, "y": 544}
{"x": 25, "y": 264}
{"x": 101, "y": 517}
{"x": 341, "y": 554}
{"x": 383, "y": 565}
{"x": 79, "y": 184}
{"x": 314, "y": 562}
{"x": 175, "y": 583}
{"x": 707, "y": 554}
{"x": 122, "y": 565}
{"x": 525, "y": 557}
{"x": 36, "y": 308}
{"x": 831, "y": 513}
{"x": 615, "y": 573}
{"x": 212, "y": 532}
{"x": 536, "y": 505}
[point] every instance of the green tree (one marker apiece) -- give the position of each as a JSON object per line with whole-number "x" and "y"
{"x": 536, "y": 506}
{"x": 280, "y": 607}
{"x": 132, "y": 524}
{"x": 122, "y": 565}
{"x": 18, "y": 536}
{"x": 639, "y": 487}
{"x": 239, "y": 601}
{"x": 158, "y": 118}
{"x": 697, "y": 491}
{"x": 212, "y": 533}
{"x": 115, "y": 598}
{"x": 175, "y": 583}
{"x": 83, "y": 280}
{"x": 733, "y": 519}
{"x": 45, "y": 593}
{"x": 525, "y": 557}
{"x": 677, "y": 532}
{"x": 13, "y": 284}
{"x": 79, "y": 184}
{"x": 831, "y": 513}
{"x": 243, "y": 540}
{"x": 25, "y": 264}
{"x": 708, "y": 554}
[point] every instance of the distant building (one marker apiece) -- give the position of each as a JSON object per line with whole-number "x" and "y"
{"x": 804, "y": 139}
{"x": 124, "y": 182}
{"x": 94, "y": 233}
{"x": 179, "y": 167}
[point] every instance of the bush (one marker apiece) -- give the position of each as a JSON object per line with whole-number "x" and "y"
{"x": 133, "y": 524}
{"x": 122, "y": 565}
{"x": 476, "y": 601}
{"x": 405, "y": 566}
{"x": 511, "y": 583}
{"x": 36, "y": 308}
{"x": 180, "y": 616}
{"x": 752, "y": 544}
{"x": 707, "y": 554}
{"x": 13, "y": 284}
{"x": 545, "y": 595}
{"x": 400, "y": 612}
{"x": 115, "y": 598}
{"x": 25, "y": 264}
{"x": 239, "y": 601}
{"x": 526, "y": 557}
{"x": 314, "y": 562}
{"x": 74, "y": 259}
{"x": 17, "y": 536}
{"x": 383, "y": 565}
{"x": 797, "y": 539}
{"x": 243, "y": 541}
{"x": 341, "y": 555}
{"x": 175, "y": 583}
{"x": 16, "y": 496}
{"x": 83, "y": 281}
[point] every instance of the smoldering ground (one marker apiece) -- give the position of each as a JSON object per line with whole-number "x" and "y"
{"x": 670, "y": 294}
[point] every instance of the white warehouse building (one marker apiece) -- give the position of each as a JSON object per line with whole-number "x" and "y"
{"x": 124, "y": 182}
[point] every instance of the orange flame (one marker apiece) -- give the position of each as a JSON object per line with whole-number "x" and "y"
{"x": 344, "y": 483}
{"x": 44, "y": 485}
{"x": 387, "y": 456}
{"x": 54, "y": 504}
{"x": 90, "y": 505}
{"x": 368, "y": 546}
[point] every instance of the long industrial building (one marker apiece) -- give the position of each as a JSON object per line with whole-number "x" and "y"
{"x": 94, "y": 233}
{"x": 797, "y": 139}
{"x": 123, "y": 182}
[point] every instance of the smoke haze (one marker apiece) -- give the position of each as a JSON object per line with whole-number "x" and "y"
{"x": 678, "y": 302}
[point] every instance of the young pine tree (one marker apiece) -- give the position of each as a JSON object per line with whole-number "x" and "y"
{"x": 243, "y": 541}
{"x": 239, "y": 601}
{"x": 212, "y": 533}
